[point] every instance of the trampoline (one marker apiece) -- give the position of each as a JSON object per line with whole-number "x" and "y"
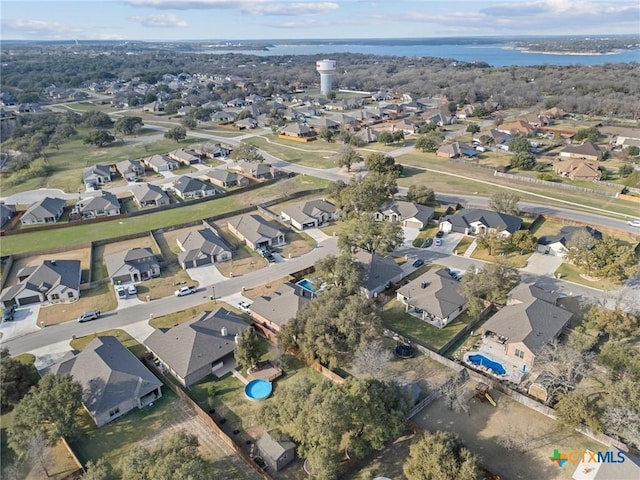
{"x": 405, "y": 351}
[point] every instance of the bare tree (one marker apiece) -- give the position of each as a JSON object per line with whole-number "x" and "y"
{"x": 565, "y": 365}
{"x": 624, "y": 421}
{"x": 452, "y": 397}
{"x": 371, "y": 359}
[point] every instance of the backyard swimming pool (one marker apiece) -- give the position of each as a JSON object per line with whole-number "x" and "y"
{"x": 258, "y": 389}
{"x": 496, "y": 367}
{"x": 307, "y": 285}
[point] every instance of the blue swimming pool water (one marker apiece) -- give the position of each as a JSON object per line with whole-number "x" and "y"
{"x": 258, "y": 389}
{"x": 307, "y": 285}
{"x": 478, "y": 359}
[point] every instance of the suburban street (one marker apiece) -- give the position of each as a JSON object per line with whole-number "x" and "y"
{"x": 141, "y": 313}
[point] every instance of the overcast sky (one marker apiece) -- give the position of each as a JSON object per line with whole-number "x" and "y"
{"x": 284, "y": 19}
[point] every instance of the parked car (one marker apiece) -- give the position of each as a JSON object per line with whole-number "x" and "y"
{"x": 87, "y": 316}
{"x": 182, "y": 291}
{"x": 418, "y": 262}
{"x": 440, "y": 234}
{"x": 437, "y": 241}
{"x": 244, "y": 306}
{"x": 121, "y": 291}
{"x": 270, "y": 258}
{"x": 7, "y": 315}
{"x": 634, "y": 223}
{"x": 427, "y": 242}
{"x": 132, "y": 290}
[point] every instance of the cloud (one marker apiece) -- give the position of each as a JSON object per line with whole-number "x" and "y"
{"x": 159, "y": 21}
{"x": 250, "y": 7}
{"x": 38, "y": 27}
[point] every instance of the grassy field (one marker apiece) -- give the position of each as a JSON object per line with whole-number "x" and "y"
{"x": 298, "y": 153}
{"x": 512, "y": 258}
{"x": 68, "y": 162}
{"x": 100, "y": 298}
{"x": 395, "y": 318}
{"x": 571, "y": 273}
{"x": 446, "y": 177}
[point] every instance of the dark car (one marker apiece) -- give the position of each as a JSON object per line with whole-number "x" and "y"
{"x": 7, "y": 315}
{"x": 418, "y": 263}
{"x": 427, "y": 242}
{"x": 440, "y": 234}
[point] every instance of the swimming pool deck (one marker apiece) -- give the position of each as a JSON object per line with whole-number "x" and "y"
{"x": 495, "y": 351}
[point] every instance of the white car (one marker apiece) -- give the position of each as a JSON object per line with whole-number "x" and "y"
{"x": 244, "y": 306}
{"x": 182, "y": 291}
{"x": 132, "y": 290}
{"x": 634, "y": 223}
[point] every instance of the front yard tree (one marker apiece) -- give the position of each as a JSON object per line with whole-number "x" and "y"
{"x": 420, "y": 194}
{"x": 504, "y": 202}
{"x": 473, "y": 128}
{"x": 493, "y": 242}
{"x": 441, "y": 456}
{"x": 592, "y": 134}
{"x": 99, "y": 138}
{"x": 49, "y": 409}
{"x": 96, "y": 119}
{"x": 16, "y": 379}
{"x": 247, "y": 351}
{"x": 177, "y": 133}
{"x": 616, "y": 323}
{"x": 364, "y": 232}
{"x": 429, "y": 142}
{"x": 603, "y": 258}
{"x": 519, "y": 144}
{"x": 348, "y": 156}
{"x": 340, "y": 271}
{"x": 363, "y": 194}
{"x": 327, "y": 134}
{"x": 128, "y": 125}
{"x": 491, "y": 284}
{"x": 523, "y": 160}
{"x": 381, "y": 163}
{"x": 246, "y": 153}
{"x": 524, "y": 241}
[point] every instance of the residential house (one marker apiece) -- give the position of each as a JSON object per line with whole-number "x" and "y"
{"x": 54, "y": 281}
{"x": 368, "y": 135}
{"x": 96, "y": 176}
{"x": 189, "y": 188}
{"x": 381, "y": 96}
{"x": 558, "y": 245}
{"x": 521, "y": 127}
{"x": 379, "y": 273}
{"x": 131, "y": 170}
{"x": 47, "y": 210}
{"x": 223, "y": 117}
{"x": 222, "y": 178}
{"x": 318, "y": 123}
{"x": 623, "y": 136}
{"x": 500, "y": 139}
{"x": 475, "y": 221}
{"x": 578, "y": 170}
{"x": 466, "y": 111}
{"x": 441, "y": 117}
{"x": 276, "y": 449}
{"x": 298, "y": 130}
{"x": 245, "y": 123}
{"x": 113, "y": 380}
{"x": 255, "y": 170}
{"x": 345, "y": 120}
{"x": 104, "y": 205}
{"x": 526, "y": 324}
{"x": 160, "y": 163}
{"x": 202, "y": 247}
{"x": 433, "y": 297}
{"x": 185, "y": 157}
{"x": 310, "y": 214}
{"x": 256, "y": 232}
{"x": 407, "y": 126}
{"x": 149, "y": 195}
{"x": 272, "y": 311}
{"x": 212, "y": 150}
{"x": 132, "y": 265}
{"x": 197, "y": 348}
{"x": 6, "y": 213}
{"x": 586, "y": 151}
{"x": 449, "y": 150}
{"x": 367, "y": 117}
{"x": 410, "y": 215}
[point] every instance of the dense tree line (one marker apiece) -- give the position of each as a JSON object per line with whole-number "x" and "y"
{"x": 610, "y": 89}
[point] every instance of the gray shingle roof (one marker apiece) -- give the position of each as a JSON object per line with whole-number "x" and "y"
{"x": 274, "y": 448}
{"x": 531, "y": 317}
{"x": 101, "y": 170}
{"x": 282, "y": 305}
{"x": 203, "y": 241}
{"x": 146, "y": 192}
{"x": 47, "y": 207}
{"x": 129, "y": 259}
{"x": 109, "y": 374}
{"x": 47, "y": 275}
{"x": 377, "y": 270}
{"x": 198, "y": 342}
{"x": 255, "y": 228}
{"x": 186, "y": 185}
{"x": 500, "y": 221}
{"x": 440, "y": 297}
{"x": 408, "y": 210}
{"x": 104, "y": 201}
{"x": 309, "y": 211}
{"x": 567, "y": 233}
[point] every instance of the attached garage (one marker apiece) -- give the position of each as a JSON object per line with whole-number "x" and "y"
{"x": 28, "y": 300}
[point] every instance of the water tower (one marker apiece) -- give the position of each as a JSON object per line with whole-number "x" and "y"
{"x": 326, "y": 68}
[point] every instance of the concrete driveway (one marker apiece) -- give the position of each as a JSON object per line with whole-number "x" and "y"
{"x": 410, "y": 235}
{"x": 449, "y": 242}
{"x": 24, "y": 322}
{"x": 541, "y": 264}
{"x": 206, "y": 275}
{"x": 317, "y": 234}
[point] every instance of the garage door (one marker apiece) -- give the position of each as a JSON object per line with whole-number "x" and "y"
{"x": 29, "y": 300}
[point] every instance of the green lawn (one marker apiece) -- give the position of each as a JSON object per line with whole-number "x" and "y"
{"x": 464, "y": 244}
{"x": 513, "y": 258}
{"x": 114, "y": 440}
{"x": 570, "y": 273}
{"x": 395, "y": 318}
{"x": 68, "y": 162}
{"x": 298, "y": 152}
